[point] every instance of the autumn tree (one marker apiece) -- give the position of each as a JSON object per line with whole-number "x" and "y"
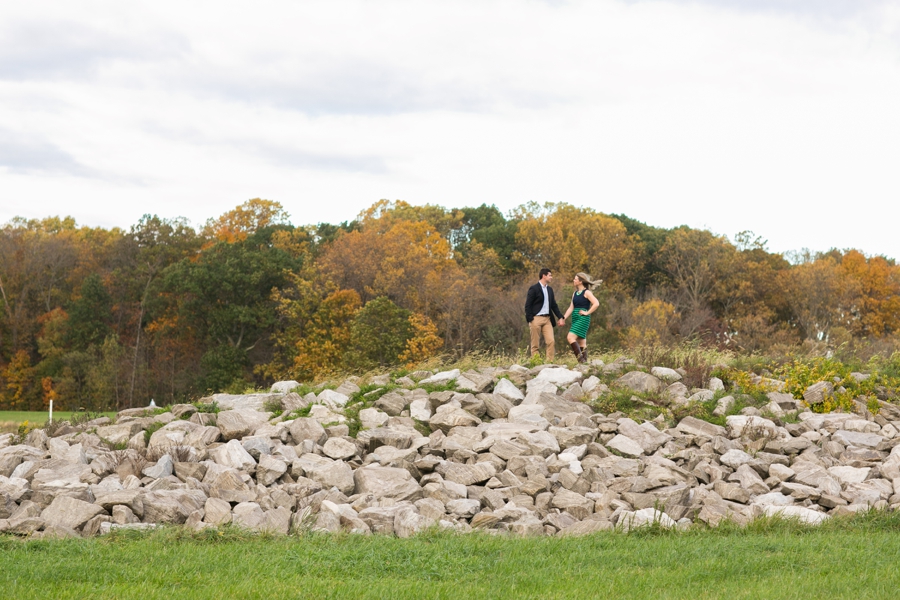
{"x": 151, "y": 245}
{"x": 244, "y": 220}
{"x": 404, "y": 263}
{"x": 327, "y": 336}
{"x": 484, "y": 231}
{"x": 224, "y": 295}
{"x": 379, "y": 334}
{"x": 424, "y": 343}
{"x": 815, "y": 294}
{"x": 36, "y": 258}
{"x": 875, "y": 287}
{"x": 568, "y": 239}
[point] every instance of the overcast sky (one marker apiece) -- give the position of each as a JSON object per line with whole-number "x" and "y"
{"x": 777, "y": 116}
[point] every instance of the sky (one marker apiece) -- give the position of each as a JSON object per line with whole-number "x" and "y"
{"x": 775, "y": 116}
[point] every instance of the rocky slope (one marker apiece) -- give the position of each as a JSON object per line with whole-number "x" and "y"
{"x": 511, "y": 450}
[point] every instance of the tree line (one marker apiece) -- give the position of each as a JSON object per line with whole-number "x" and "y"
{"x": 107, "y": 318}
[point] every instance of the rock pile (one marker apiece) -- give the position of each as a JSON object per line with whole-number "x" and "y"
{"x": 516, "y": 450}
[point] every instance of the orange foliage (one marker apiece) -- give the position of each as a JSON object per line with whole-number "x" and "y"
{"x": 424, "y": 343}
{"x": 568, "y": 239}
{"x": 241, "y": 221}
{"x": 327, "y": 335}
{"x": 875, "y": 287}
{"x": 405, "y": 263}
{"x": 651, "y": 323}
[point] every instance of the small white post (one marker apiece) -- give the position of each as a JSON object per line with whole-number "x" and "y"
{"x": 51, "y": 411}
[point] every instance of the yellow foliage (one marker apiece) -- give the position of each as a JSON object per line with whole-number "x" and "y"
{"x": 875, "y": 287}
{"x": 404, "y": 263}
{"x": 236, "y": 224}
{"x": 568, "y": 239}
{"x": 424, "y": 343}
{"x": 18, "y": 378}
{"x": 327, "y": 335}
{"x": 651, "y": 321}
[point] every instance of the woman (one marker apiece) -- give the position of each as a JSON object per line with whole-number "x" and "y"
{"x": 583, "y": 304}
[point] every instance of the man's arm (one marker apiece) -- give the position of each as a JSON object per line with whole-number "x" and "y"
{"x": 554, "y": 308}
{"x": 529, "y": 302}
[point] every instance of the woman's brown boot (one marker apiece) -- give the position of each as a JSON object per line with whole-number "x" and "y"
{"x": 577, "y": 350}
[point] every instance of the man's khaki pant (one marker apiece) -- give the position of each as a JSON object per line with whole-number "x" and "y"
{"x": 541, "y": 326}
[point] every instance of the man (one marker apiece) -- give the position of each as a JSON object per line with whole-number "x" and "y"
{"x": 540, "y": 306}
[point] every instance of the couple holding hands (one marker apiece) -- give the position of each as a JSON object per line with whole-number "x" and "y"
{"x": 540, "y": 307}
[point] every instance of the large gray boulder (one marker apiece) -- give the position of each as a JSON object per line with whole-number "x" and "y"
{"x": 648, "y": 436}
{"x": 666, "y": 374}
{"x": 249, "y": 402}
{"x": 283, "y": 387}
{"x": 119, "y": 433}
{"x": 270, "y": 469}
{"x": 466, "y": 474}
{"x": 305, "y": 428}
{"x": 386, "y": 482}
{"x": 639, "y": 381}
{"x": 508, "y": 390}
{"x": 625, "y": 446}
{"x": 557, "y": 407}
{"x": 69, "y": 512}
{"x": 392, "y": 403}
{"x": 817, "y": 393}
{"x": 694, "y": 426}
{"x": 447, "y": 417}
{"x": 559, "y": 376}
{"x": 476, "y": 383}
{"x": 236, "y": 424}
{"x": 171, "y": 506}
{"x": 233, "y": 455}
{"x": 333, "y": 474}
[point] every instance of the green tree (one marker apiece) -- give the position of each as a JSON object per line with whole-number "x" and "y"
{"x": 89, "y": 315}
{"x": 378, "y": 335}
{"x": 486, "y": 227}
{"x": 223, "y": 298}
{"x": 151, "y": 245}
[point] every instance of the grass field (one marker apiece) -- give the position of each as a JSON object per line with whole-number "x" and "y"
{"x": 11, "y": 419}
{"x": 770, "y": 559}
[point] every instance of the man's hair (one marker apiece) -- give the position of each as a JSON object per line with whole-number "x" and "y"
{"x": 543, "y": 272}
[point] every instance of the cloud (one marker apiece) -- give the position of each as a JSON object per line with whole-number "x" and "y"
{"x": 832, "y": 9}
{"x": 276, "y": 151}
{"x": 350, "y": 87}
{"x": 22, "y": 153}
{"x": 58, "y": 49}
{"x": 286, "y": 156}
{"x": 768, "y": 115}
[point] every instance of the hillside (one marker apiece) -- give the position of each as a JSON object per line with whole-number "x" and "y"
{"x": 529, "y": 451}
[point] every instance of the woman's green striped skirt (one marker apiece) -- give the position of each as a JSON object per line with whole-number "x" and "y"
{"x": 580, "y": 323}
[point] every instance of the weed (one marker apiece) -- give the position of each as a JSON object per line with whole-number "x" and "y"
{"x": 211, "y": 407}
{"x": 304, "y": 521}
{"x": 150, "y": 429}
{"x": 177, "y": 452}
{"x": 273, "y": 406}
{"x": 133, "y": 460}
{"x": 450, "y": 386}
{"x": 423, "y": 428}
{"x": 299, "y": 413}
{"x": 351, "y": 412}
{"x": 371, "y": 392}
{"x": 80, "y": 418}
{"x": 50, "y": 427}
{"x": 115, "y": 446}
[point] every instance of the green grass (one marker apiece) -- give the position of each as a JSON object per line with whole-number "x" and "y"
{"x": 849, "y": 559}
{"x": 11, "y": 419}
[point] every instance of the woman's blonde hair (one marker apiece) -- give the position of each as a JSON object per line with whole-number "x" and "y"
{"x": 586, "y": 280}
